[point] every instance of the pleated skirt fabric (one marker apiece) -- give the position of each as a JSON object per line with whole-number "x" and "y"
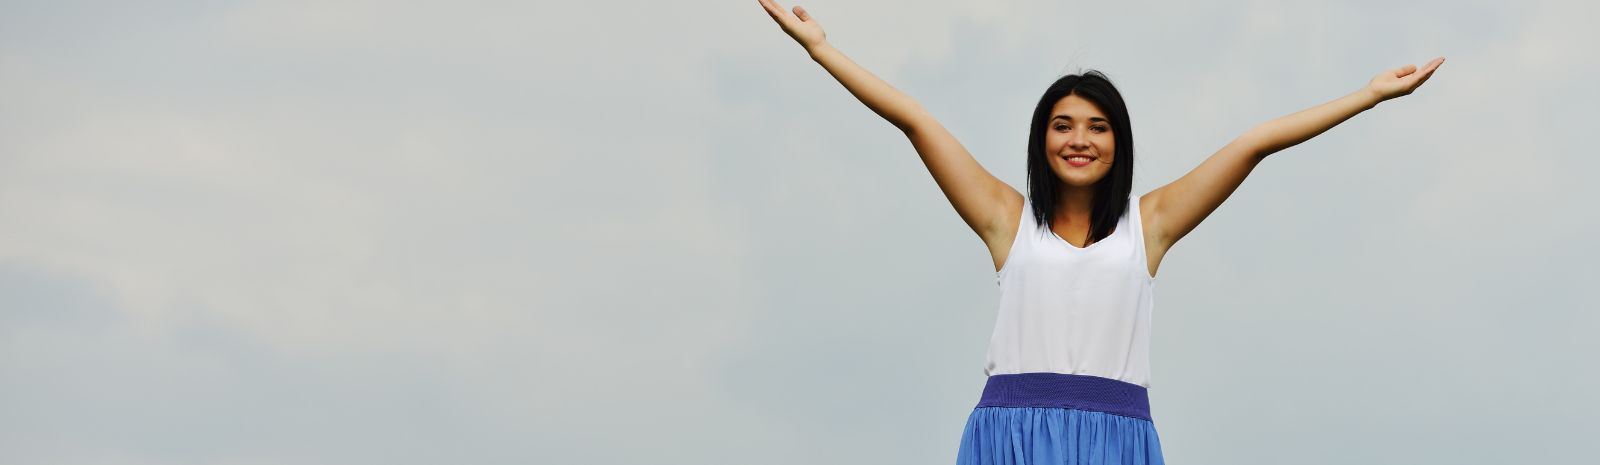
{"x": 1056, "y": 436}
{"x": 1058, "y": 419}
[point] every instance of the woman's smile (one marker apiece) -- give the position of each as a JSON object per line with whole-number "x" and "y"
{"x": 1079, "y": 161}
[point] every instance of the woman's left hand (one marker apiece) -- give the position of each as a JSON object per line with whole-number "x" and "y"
{"x": 1401, "y": 81}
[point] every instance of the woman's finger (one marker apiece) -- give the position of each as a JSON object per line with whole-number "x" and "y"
{"x": 1423, "y": 79}
{"x": 1432, "y": 66}
{"x": 774, "y": 9}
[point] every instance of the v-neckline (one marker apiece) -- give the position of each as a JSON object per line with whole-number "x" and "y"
{"x": 1086, "y": 247}
{"x": 1027, "y": 209}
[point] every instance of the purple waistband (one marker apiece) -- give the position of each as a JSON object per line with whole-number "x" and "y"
{"x": 1081, "y": 392}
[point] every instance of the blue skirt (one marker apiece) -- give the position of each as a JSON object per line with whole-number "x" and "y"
{"x": 1060, "y": 419}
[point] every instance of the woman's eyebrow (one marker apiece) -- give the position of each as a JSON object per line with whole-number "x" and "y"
{"x": 1092, "y": 119}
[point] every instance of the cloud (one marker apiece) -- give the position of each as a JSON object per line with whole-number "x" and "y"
{"x": 366, "y": 232}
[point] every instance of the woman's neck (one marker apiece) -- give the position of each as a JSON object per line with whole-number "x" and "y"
{"x": 1075, "y": 206}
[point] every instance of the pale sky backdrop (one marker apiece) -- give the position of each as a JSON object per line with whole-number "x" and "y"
{"x": 362, "y": 232}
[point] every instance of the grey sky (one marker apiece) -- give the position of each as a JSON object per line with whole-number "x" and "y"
{"x": 342, "y": 232}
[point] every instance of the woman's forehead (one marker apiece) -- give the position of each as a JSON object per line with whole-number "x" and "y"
{"x": 1076, "y": 108}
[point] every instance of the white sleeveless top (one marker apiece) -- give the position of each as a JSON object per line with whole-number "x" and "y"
{"x": 1066, "y": 309}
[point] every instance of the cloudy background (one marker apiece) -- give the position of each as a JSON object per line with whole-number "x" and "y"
{"x": 362, "y": 232}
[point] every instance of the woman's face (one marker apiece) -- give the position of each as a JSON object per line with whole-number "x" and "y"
{"x": 1077, "y": 129}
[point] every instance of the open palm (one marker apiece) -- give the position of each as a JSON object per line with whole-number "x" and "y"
{"x": 800, "y": 25}
{"x": 1403, "y": 80}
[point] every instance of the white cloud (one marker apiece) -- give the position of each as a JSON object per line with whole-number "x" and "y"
{"x": 507, "y": 231}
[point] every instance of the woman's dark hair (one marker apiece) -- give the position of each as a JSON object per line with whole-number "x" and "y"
{"x": 1111, "y": 193}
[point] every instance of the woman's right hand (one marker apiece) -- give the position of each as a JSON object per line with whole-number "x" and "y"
{"x": 800, "y": 25}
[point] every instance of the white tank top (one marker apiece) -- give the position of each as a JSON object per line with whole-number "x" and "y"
{"x": 1066, "y": 309}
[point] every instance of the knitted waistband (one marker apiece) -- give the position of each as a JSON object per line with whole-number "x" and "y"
{"x": 1081, "y": 392}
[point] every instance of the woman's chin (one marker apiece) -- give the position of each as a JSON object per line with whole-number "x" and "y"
{"x": 1078, "y": 181}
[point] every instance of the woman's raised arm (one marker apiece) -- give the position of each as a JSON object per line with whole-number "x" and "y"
{"x": 1287, "y": 131}
{"x": 1183, "y": 204}
{"x": 883, "y": 99}
{"x": 981, "y": 199}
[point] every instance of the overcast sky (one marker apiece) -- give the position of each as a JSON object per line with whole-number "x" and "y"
{"x": 360, "y": 232}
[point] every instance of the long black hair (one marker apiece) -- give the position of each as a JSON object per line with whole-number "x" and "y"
{"x": 1111, "y": 193}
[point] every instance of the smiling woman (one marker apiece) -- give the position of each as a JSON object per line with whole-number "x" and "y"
{"x": 1084, "y": 116}
{"x": 1068, "y": 364}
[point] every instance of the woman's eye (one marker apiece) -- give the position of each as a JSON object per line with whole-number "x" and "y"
{"x": 1100, "y": 128}
{"x": 1061, "y": 128}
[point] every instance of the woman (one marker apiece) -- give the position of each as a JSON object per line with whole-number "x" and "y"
{"x": 1068, "y": 362}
